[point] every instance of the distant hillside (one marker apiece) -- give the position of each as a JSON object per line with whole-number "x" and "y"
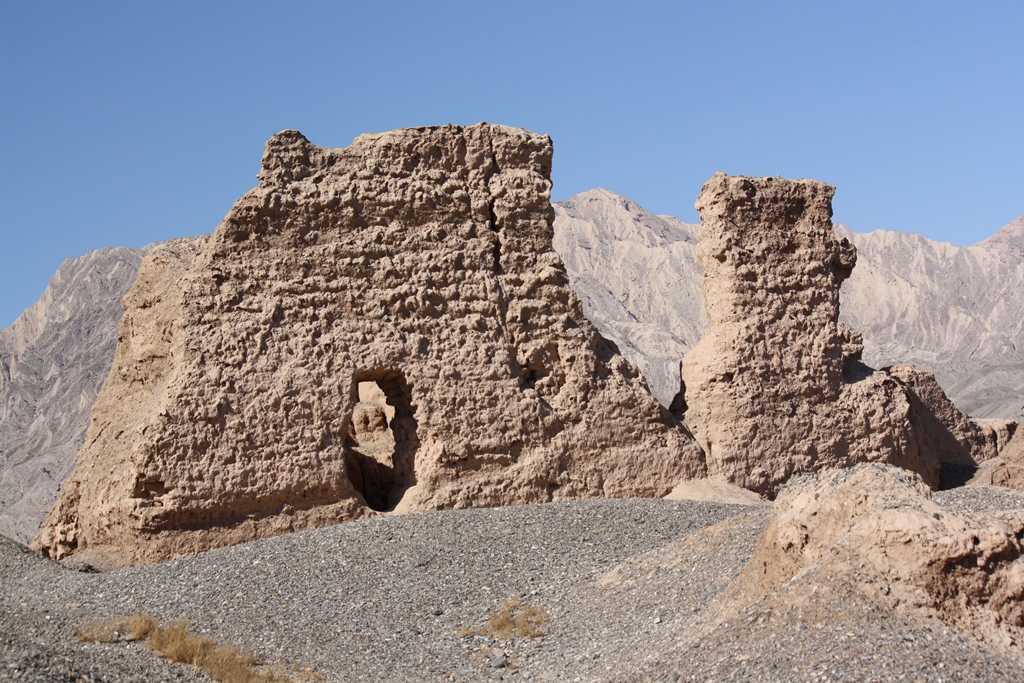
{"x": 931, "y": 301}
{"x": 53, "y": 359}
{"x": 956, "y": 311}
{"x": 638, "y": 279}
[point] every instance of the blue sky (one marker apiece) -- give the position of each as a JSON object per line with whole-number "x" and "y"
{"x": 128, "y": 123}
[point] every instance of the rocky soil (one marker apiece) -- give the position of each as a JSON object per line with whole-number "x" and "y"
{"x": 632, "y": 590}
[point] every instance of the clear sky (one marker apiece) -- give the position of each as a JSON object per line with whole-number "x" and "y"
{"x": 129, "y": 123}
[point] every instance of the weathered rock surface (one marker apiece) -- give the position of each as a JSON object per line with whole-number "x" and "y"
{"x": 877, "y": 528}
{"x": 419, "y": 260}
{"x": 53, "y": 360}
{"x": 952, "y": 436}
{"x": 1007, "y": 469}
{"x": 954, "y": 311}
{"x": 774, "y": 386}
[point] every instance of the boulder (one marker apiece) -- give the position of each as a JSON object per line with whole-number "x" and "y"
{"x": 877, "y": 528}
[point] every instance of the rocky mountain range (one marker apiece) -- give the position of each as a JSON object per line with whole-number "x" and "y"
{"x": 955, "y": 311}
{"x": 53, "y": 360}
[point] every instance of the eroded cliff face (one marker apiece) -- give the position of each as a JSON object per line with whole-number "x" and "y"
{"x": 774, "y": 386}
{"x": 417, "y": 260}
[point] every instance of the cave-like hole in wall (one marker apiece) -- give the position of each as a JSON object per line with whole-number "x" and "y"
{"x": 382, "y": 441}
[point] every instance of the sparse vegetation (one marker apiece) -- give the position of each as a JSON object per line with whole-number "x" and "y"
{"x": 514, "y": 620}
{"x": 141, "y": 626}
{"x": 104, "y": 631}
{"x": 222, "y": 662}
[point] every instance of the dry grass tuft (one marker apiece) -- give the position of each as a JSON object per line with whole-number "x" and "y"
{"x": 514, "y": 620}
{"x": 221, "y": 662}
{"x": 141, "y": 626}
{"x": 177, "y": 643}
{"x": 109, "y": 631}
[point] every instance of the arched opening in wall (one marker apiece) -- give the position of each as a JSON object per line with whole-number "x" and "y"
{"x": 381, "y": 444}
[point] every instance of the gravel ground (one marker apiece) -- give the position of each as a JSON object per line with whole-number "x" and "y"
{"x": 631, "y": 589}
{"x": 41, "y": 606}
{"x": 974, "y": 500}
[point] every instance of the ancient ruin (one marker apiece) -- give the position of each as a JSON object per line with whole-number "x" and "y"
{"x": 958, "y": 313}
{"x": 877, "y": 528}
{"x": 775, "y": 385}
{"x": 415, "y": 265}
{"x": 386, "y": 328}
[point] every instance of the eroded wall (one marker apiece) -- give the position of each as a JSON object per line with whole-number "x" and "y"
{"x": 417, "y": 259}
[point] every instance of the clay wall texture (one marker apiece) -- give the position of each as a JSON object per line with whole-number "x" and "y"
{"x": 774, "y": 386}
{"x": 417, "y": 259}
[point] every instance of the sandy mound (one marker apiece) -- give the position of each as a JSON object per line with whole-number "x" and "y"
{"x": 714, "y": 490}
{"x": 877, "y": 527}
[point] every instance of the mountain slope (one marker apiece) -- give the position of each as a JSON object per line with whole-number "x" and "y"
{"x": 932, "y": 301}
{"x": 53, "y": 359}
{"x": 638, "y": 278}
{"x": 955, "y": 311}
